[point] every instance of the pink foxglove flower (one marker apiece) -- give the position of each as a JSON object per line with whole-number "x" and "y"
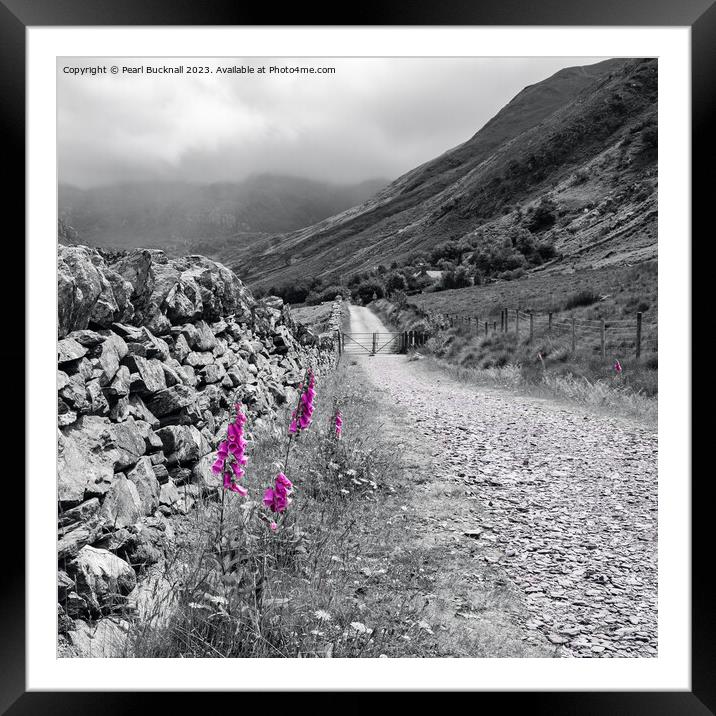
{"x": 230, "y": 456}
{"x": 301, "y": 418}
{"x": 338, "y": 421}
{"x": 276, "y": 497}
{"x": 617, "y": 367}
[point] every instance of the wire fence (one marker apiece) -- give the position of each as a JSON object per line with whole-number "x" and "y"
{"x": 633, "y": 336}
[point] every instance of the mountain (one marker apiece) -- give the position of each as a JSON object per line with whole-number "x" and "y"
{"x": 585, "y": 139}
{"x": 178, "y": 215}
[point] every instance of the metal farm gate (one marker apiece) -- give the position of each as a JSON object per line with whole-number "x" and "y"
{"x": 373, "y": 343}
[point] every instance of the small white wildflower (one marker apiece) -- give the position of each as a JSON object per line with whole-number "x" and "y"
{"x": 322, "y": 615}
{"x": 361, "y": 628}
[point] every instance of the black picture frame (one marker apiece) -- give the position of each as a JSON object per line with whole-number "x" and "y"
{"x": 17, "y": 15}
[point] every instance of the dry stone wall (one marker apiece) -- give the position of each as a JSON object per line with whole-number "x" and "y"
{"x": 151, "y": 354}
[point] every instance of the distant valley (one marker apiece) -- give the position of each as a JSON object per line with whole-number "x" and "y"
{"x": 186, "y": 217}
{"x": 567, "y": 169}
{"x": 583, "y": 143}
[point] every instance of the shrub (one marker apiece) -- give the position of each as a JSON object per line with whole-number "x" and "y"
{"x": 396, "y": 282}
{"x": 364, "y": 291}
{"x": 326, "y": 294}
{"x": 586, "y": 297}
{"x": 542, "y": 216}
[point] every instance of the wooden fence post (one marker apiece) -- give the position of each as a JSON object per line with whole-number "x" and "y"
{"x": 517, "y": 323}
{"x": 549, "y": 327}
{"x": 603, "y": 338}
{"x": 405, "y": 341}
{"x": 485, "y": 327}
{"x": 532, "y": 326}
{"x": 375, "y": 341}
{"x": 574, "y": 335}
{"x": 638, "y": 335}
{"x": 340, "y": 351}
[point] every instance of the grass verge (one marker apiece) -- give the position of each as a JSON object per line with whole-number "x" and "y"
{"x": 545, "y": 366}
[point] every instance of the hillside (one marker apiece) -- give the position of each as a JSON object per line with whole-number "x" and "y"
{"x": 178, "y": 215}
{"x": 585, "y": 139}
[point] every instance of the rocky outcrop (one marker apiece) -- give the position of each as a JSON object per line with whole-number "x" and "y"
{"x": 152, "y": 352}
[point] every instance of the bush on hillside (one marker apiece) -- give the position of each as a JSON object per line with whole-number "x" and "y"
{"x": 586, "y": 297}
{"x": 365, "y": 291}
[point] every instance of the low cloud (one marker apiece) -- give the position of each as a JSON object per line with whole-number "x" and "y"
{"x": 375, "y": 117}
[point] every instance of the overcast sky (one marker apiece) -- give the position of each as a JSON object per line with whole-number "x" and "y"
{"x": 373, "y": 118}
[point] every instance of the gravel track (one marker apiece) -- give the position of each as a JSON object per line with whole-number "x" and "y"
{"x": 563, "y": 500}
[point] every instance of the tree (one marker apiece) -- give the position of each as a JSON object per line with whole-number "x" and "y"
{"x": 396, "y": 282}
{"x": 364, "y": 292}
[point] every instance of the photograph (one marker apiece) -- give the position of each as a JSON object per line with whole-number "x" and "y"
{"x": 357, "y": 357}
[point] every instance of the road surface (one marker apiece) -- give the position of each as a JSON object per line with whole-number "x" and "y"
{"x": 562, "y": 501}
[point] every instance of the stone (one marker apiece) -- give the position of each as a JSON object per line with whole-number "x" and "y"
{"x": 75, "y": 605}
{"x": 227, "y": 359}
{"x": 86, "y": 458}
{"x": 221, "y": 326}
{"x": 65, "y": 416}
{"x": 79, "y": 287}
{"x": 183, "y": 301}
{"x": 82, "y": 513}
{"x": 172, "y": 399}
{"x": 202, "y": 475}
{"x": 171, "y": 376}
{"x": 212, "y": 373}
{"x": 62, "y": 380}
{"x": 81, "y": 369}
{"x": 158, "y": 458}
{"x": 122, "y": 505}
{"x": 119, "y": 412}
{"x": 98, "y": 404}
{"x": 161, "y": 473}
{"x": 69, "y": 545}
{"x": 189, "y": 375}
{"x": 147, "y": 485}
{"x": 181, "y": 348}
{"x": 199, "y": 360}
{"x": 154, "y": 600}
{"x": 87, "y": 338}
{"x": 150, "y": 372}
{"x": 180, "y": 475}
{"x": 139, "y": 411}
{"x": 182, "y": 443}
{"x": 130, "y": 445}
{"x": 209, "y": 399}
{"x": 222, "y": 293}
{"x": 74, "y": 394}
{"x": 154, "y": 346}
{"x": 106, "y": 638}
{"x": 169, "y": 494}
{"x": 65, "y": 583}
{"x": 136, "y": 268}
{"x": 114, "y": 349}
{"x": 122, "y": 293}
{"x": 69, "y": 350}
{"x": 120, "y": 385}
{"x": 134, "y": 334}
{"x": 154, "y": 443}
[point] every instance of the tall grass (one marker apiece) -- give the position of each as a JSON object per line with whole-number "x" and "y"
{"x": 291, "y": 592}
{"x": 545, "y": 366}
